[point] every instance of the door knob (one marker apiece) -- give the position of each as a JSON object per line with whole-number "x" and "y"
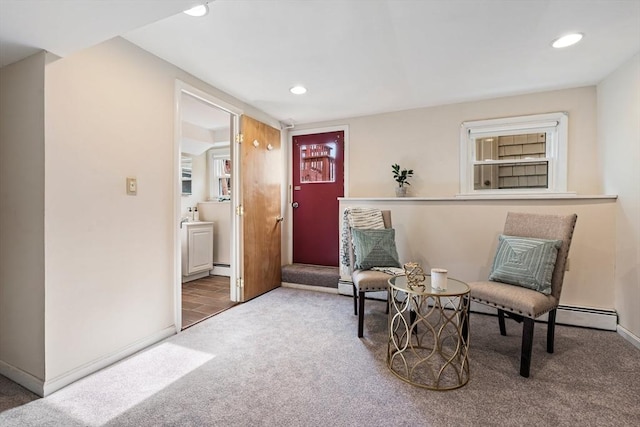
{"x": 279, "y": 219}
{"x": 295, "y": 204}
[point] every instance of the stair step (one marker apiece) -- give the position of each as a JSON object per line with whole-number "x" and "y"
{"x": 314, "y": 275}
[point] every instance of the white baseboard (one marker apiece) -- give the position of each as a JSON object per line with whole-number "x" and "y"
{"x": 220, "y": 270}
{"x": 309, "y": 287}
{"x": 195, "y": 276}
{"x": 627, "y": 335}
{"x": 23, "y": 378}
{"x": 65, "y": 379}
{"x": 566, "y": 315}
{"x": 345, "y": 287}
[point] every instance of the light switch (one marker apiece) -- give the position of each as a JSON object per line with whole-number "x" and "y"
{"x": 132, "y": 186}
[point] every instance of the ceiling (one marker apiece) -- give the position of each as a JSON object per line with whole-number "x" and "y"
{"x": 355, "y": 57}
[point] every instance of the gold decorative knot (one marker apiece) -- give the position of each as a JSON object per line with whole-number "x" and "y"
{"x": 415, "y": 275}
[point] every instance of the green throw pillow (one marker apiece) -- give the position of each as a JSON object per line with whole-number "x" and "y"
{"x": 375, "y": 248}
{"x": 525, "y": 262}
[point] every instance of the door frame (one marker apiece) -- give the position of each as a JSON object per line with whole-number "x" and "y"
{"x": 236, "y": 251}
{"x": 310, "y": 131}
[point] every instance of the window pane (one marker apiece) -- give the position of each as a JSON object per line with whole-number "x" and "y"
{"x": 224, "y": 187}
{"x": 511, "y": 147}
{"x": 511, "y": 175}
{"x": 317, "y": 163}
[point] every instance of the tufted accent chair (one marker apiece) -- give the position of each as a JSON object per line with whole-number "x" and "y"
{"x": 367, "y": 280}
{"x": 522, "y": 304}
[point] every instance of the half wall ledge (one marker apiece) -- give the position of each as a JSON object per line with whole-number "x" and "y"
{"x": 466, "y": 197}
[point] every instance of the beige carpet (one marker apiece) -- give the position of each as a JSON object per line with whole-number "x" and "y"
{"x": 292, "y": 358}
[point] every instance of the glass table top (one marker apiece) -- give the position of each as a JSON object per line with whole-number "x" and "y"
{"x": 454, "y": 287}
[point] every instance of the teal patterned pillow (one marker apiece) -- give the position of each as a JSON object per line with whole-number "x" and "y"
{"x": 525, "y": 262}
{"x": 375, "y": 248}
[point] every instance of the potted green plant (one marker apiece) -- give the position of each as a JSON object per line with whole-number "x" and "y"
{"x": 402, "y": 178}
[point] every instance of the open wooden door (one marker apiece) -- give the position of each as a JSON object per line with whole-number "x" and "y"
{"x": 261, "y": 181}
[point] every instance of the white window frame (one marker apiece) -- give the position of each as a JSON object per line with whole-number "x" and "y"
{"x": 555, "y": 125}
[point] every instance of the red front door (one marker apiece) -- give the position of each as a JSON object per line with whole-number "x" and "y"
{"x": 318, "y": 181}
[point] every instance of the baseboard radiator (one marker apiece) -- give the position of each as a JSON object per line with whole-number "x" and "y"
{"x": 587, "y": 317}
{"x": 566, "y": 315}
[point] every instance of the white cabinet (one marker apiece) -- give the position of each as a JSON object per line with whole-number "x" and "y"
{"x": 197, "y": 248}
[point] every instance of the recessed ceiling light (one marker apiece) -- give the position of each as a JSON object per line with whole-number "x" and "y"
{"x": 568, "y": 40}
{"x": 198, "y": 11}
{"x": 298, "y": 90}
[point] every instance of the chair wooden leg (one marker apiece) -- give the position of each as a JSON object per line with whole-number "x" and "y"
{"x": 527, "y": 346}
{"x": 551, "y": 330}
{"x": 465, "y": 324}
{"x": 503, "y": 328}
{"x": 355, "y": 300}
{"x": 412, "y": 320}
{"x": 360, "y": 314}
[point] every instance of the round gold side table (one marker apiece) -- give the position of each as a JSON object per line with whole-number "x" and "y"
{"x": 429, "y": 334}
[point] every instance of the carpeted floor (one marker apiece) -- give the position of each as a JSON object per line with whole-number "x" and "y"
{"x": 291, "y": 358}
{"x": 13, "y": 395}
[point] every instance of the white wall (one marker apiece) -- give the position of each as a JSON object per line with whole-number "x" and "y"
{"x": 22, "y": 290}
{"x": 220, "y": 214}
{"x": 619, "y": 154}
{"x": 109, "y": 256}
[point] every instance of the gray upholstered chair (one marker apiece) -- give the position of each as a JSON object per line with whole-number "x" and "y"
{"x": 367, "y": 280}
{"x": 522, "y": 304}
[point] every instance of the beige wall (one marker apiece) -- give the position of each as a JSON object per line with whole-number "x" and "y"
{"x": 427, "y": 141}
{"x": 22, "y": 290}
{"x": 87, "y": 271}
{"x": 461, "y": 236}
{"x": 109, "y": 116}
{"x": 619, "y": 155}
{"x": 109, "y": 256}
{"x": 603, "y": 159}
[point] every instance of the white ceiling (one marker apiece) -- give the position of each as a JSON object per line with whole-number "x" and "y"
{"x": 355, "y": 57}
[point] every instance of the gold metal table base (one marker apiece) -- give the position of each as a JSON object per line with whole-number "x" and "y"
{"x": 427, "y": 345}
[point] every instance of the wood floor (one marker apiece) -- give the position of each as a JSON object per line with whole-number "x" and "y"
{"x": 203, "y": 298}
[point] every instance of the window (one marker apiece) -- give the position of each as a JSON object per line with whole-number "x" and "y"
{"x": 318, "y": 163}
{"x": 186, "y": 168}
{"x": 514, "y": 155}
{"x": 219, "y": 167}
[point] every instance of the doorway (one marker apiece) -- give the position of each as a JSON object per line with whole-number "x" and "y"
{"x": 250, "y": 182}
{"x": 205, "y": 261}
{"x": 318, "y": 180}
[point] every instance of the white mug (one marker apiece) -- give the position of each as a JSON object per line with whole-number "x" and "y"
{"x": 439, "y": 279}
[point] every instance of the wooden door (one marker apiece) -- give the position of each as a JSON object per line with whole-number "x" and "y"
{"x": 318, "y": 181}
{"x": 261, "y": 181}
